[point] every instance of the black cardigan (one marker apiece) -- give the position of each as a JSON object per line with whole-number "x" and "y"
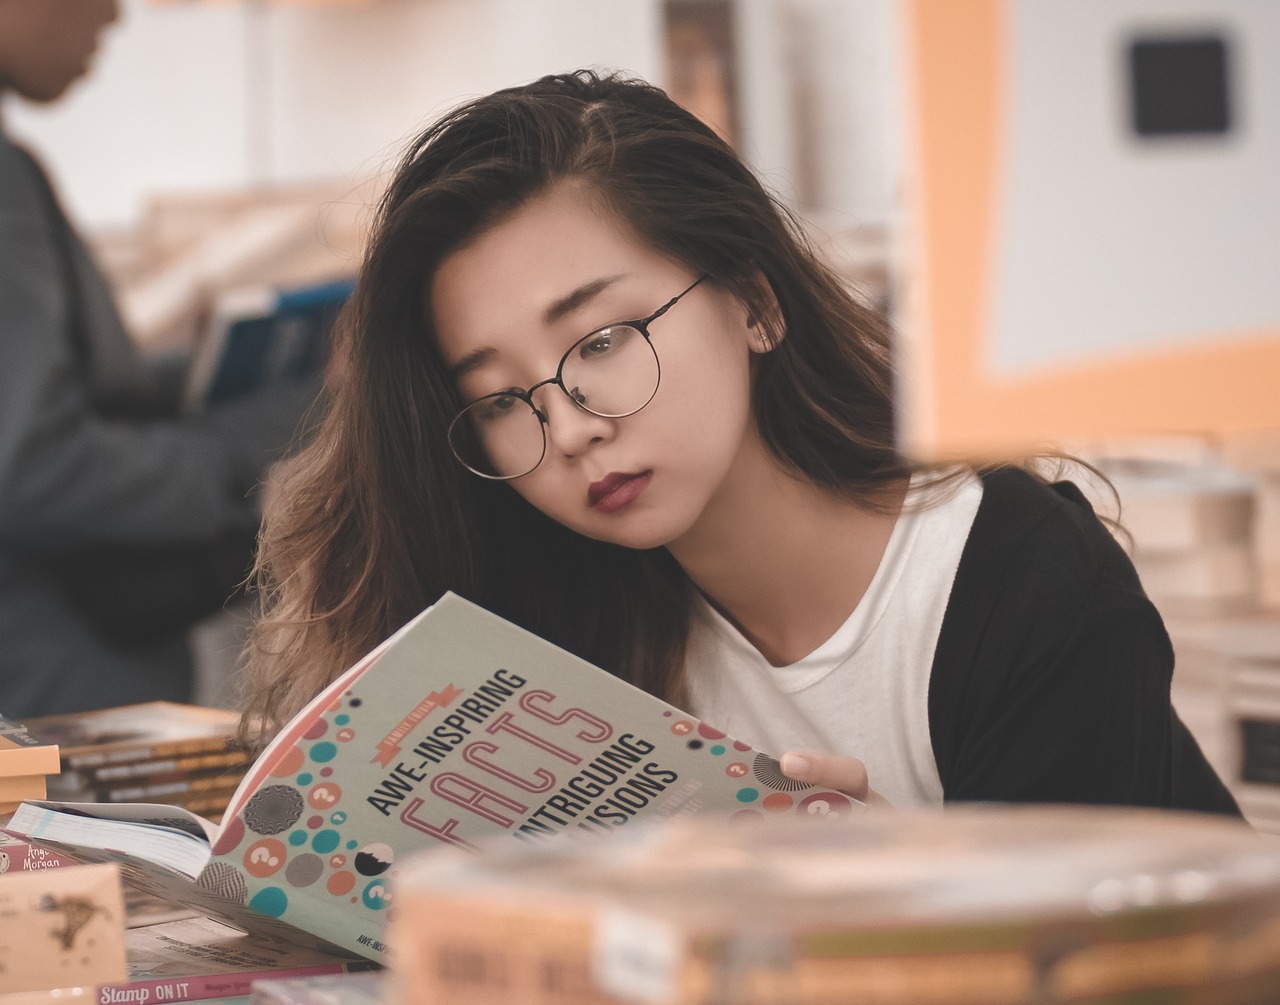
{"x": 1050, "y": 682}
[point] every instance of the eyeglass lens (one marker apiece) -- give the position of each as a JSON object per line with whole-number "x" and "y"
{"x": 612, "y": 372}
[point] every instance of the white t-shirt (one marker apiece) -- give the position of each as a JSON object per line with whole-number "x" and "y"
{"x": 865, "y": 691}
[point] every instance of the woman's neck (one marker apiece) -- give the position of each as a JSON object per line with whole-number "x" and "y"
{"x": 784, "y": 560}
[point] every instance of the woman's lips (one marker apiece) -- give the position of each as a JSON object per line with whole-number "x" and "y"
{"x": 616, "y": 490}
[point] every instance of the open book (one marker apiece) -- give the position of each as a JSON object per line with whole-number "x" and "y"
{"x": 261, "y": 336}
{"x": 460, "y": 727}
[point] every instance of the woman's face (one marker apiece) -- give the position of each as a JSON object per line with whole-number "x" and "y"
{"x": 510, "y": 303}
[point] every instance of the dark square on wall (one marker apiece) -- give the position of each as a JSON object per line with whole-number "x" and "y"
{"x": 1179, "y": 85}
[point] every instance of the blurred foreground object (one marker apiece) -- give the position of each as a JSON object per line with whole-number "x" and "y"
{"x": 61, "y": 928}
{"x": 989, "y": 904}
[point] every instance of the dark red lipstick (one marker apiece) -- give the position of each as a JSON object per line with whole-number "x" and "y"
{"x": 616, "y": 490}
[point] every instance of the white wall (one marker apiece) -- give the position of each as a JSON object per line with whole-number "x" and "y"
{"x": 190, "y": 97}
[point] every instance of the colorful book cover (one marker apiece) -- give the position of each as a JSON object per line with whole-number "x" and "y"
{"x": 459, "y": 728}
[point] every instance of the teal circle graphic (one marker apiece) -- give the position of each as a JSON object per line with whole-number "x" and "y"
{"x": 353, "y": 844}
{"x": 323, "y": 751}
{"x": 748, "y": 795}
{"x": 270, "y": 901}
{"x": 325, "y": 841}
{"x": 375, "y": 895}
{"x": 342, "y": 720}
{"x": 718, "y": 749}
{"x": 297, "y": 838}
{"x": 338, "y": 818}
{"x": 304, "y": 778}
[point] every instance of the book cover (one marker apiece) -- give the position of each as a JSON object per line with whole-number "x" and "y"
{"x": 61, "y": 928}
{"x": 130, "y": 734}
{"x": 15, "y": 788}
{"x": 194, "y": 959}
{"x": 458, "y": 728}
{"x": 261, "y": 336}
{"x": 19, "y": 855}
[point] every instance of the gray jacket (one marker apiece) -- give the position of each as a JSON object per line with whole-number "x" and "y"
{"x": 80, "y": 469}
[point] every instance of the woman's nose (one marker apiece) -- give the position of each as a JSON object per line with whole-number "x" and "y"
{"x": 570, "y": 429}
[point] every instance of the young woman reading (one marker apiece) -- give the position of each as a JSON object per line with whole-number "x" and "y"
{"x": 594, "y": 379}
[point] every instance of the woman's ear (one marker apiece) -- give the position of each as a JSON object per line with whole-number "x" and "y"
{"x": 765, "y": 326}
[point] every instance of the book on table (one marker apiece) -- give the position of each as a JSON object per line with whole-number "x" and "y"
{"x": 26, "y": 762}
{"x": 361, "y": 988}
{"x": 24, "y": 752}
{"x": 194, "y": 959}
{"x": 156, "y": 751}
{"x": 20, "y": 855}
{"x": 458, "y": 728}
{"x": 152, "y": 731}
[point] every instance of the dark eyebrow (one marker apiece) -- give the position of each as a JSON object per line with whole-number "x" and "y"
{"x": 554, "y": 312}
{"x": 571, "y": 302}
{"x": 471, "y": 361}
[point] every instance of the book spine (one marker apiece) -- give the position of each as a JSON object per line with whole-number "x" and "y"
{"x": 92, "y": 758}
{"x": 163, "y": 766}
{"x": 222, "y": 783}
{"x": 204, "y": 986}
{"x": 1260, "y": 750}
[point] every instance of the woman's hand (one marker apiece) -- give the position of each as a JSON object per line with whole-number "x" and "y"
{"x": 832, "y": 771}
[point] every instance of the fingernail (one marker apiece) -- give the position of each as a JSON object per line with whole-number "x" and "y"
{"x": 795, "y": 765}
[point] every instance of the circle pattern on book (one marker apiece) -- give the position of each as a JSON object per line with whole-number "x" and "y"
{"x": 825, "y": 804}
{"x": 374, "y": 859}
{"x": 226, "y": 881}
{"x": 304, "y": 870}
{"x": 273, "y": 809}
{"x": 769, "y": 772}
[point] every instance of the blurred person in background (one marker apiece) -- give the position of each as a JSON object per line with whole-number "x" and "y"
{"x": 121, "y": 524}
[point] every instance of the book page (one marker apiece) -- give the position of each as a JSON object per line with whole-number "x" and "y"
{"x": 150, "y": 836}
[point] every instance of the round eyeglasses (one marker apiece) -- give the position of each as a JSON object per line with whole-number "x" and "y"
{"x": 611, "y": 372}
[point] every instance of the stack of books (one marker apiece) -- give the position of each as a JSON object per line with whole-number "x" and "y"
{"x": 156, "y": 752}
{"x": 1259, "y": 453}
{"x": 1191, "y": 531}
{"x": 26, "y": 761}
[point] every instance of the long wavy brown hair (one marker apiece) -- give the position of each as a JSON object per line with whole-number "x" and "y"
{"x": 375, "y": 519}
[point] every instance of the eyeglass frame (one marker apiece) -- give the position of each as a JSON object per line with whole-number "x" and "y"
{"x": 526, "y": 395}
